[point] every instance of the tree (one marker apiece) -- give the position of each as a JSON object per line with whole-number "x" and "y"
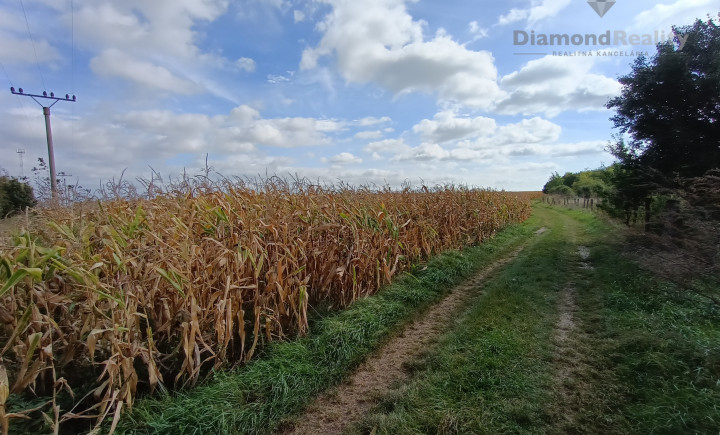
{"x": 553, "y": 183}
{"x": 15, "y": 196}
{"x": 670, "y": 105}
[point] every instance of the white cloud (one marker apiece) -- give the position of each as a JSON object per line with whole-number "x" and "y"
{"x": 298, "y": 16}
{"x": 423, "y": 153}
{"x": 528, "y": 131}
{"x": 161, "y": 26}
{"x": 682, "y": 12}
{"x": 345, "y": 159}
{"x": 245, "y": 64}
{"x": 17, "y": 50}
{"x": 366, "y": 122}
{"x": 374, "y": 134}
{"x": 513, "y": 16}
{"x": 553, "y": 84}
{"x": 446, "y": 127}
{"x": 114, "y": 63}
{"x": 378, "y": 41}
{"x": 538, "y": 10}
{"x": 102, "y": 145}
{"x": 277, "y": 78}
{"x": 477, "y": 31}
{"x": 159, "y": 33}
{"x": 386, "y": 146}
{"x": 483, "y": 141}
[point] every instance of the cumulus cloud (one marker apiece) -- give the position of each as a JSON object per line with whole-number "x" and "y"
{"x": 379, "y": 42}
{"x": 477, "y": 31}
{"x": 298, "y": 16}
{"x": 245, "y": 64}
{"x": 114, "y": 63}
{"x": 528, "y": 131}
{"x": 538, "y": 10}
{"x": 446, "y": 126}
{"x": 368, "y": 121}
{"x": 158, "y": 37}
{"x": 682, "y": 12}
{"x": 163, "y": 26}
{"x": 553, "y": 84}
{"x": 345, "y": 159}
{"x": 371, "y": 134}
{"x": 481, "y": 140}
{"x": 18, "y": 50}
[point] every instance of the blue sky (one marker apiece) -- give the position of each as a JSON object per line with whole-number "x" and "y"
{"x": 363, "y": 91}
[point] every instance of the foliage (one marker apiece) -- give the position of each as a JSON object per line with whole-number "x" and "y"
{"x": 670, "y": 105}
{"x": 15, "y": 196}
{"x": 586, "y": 184}
{"x": 147, "y": 293}
{"x": 668, "y": 116}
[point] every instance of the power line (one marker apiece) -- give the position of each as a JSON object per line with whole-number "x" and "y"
{"x": 72, "y": 67}
{"x": 6, "y": 74}
{"x": 22, "y": 102}
{"x": 72, "y": 44}
{"x": 32, "y": 41}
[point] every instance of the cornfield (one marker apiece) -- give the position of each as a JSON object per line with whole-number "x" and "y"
{"x": 127, "y": 296}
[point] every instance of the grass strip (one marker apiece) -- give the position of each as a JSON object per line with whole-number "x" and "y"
{"x": 662, "y": 344}
{"x": 490, "y": 373}
{"x": 257, "y": 397}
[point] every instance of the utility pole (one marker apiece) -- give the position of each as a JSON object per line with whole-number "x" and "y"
{"x": 48, "y": 129}
{"x": 20, "y": 152}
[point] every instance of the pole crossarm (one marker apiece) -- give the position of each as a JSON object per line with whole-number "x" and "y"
{"x": 48, "y": 129}
{"x": 44, "y": 95}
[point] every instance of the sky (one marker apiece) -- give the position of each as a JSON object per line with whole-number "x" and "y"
{"x": 368, "y": 92}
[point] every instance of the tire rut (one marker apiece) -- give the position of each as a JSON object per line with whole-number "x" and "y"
{"x": 571, "y": 367}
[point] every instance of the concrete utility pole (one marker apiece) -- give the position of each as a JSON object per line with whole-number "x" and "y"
{"x": 48, "y": 129}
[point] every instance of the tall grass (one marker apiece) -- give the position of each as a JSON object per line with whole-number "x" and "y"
{"x": 130, "y": 295}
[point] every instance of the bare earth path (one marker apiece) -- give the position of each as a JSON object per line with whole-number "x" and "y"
{"x": 571, "y": 369}
{"x": 335, "y": 410}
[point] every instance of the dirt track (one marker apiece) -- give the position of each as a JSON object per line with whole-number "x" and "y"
{"x": 335, "y": 410}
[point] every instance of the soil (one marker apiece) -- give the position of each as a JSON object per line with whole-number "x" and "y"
{"x": 571, "y": 369}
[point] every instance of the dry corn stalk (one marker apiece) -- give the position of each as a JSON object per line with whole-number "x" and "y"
{"x": 190, "y": 281}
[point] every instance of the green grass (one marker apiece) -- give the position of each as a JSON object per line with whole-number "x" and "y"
{"x": 489, "y": 374}
{"x": 649, "y": 355}
{"x": 259, "y": 396}
{"x": 663, "y": 345}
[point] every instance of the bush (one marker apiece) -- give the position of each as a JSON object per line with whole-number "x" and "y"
{"x": 15, "y": 196}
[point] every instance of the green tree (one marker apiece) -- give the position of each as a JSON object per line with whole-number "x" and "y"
{"x": 15, "y": 196}
{"x": 670, "y": 105}
{"x": 553, "y": 183}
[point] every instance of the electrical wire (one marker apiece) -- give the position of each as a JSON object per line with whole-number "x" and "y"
{"x": 72, "y": 44}
{"x": 22, "y": 102}
{"x": 32, "y": 41}
{"x": 6, "y": 74}
{"x": 72, "y": 67}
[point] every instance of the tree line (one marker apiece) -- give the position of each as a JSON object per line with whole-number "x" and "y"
{"x": 667, "y": 143}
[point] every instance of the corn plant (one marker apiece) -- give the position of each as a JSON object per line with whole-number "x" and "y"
{"x": 153, "y": 293}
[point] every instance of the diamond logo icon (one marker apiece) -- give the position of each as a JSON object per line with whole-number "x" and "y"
{"x": 601, "y": 6}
